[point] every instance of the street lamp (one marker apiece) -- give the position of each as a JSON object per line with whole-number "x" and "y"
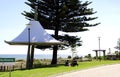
{"x": 28, "y": 53}
{"x": 99, "y": 48}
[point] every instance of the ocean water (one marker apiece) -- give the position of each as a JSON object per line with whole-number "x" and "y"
{"x": 24, "y": 56}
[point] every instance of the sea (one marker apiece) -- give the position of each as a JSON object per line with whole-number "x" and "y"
{"x": 24, "y": 56}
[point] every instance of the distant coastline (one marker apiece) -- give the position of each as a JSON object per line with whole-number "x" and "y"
{"x": 24, "y": 56}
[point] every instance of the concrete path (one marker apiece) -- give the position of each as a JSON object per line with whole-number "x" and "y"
{"x": 103, "y": 71}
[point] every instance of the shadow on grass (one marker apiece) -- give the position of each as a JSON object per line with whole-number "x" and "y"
{"x": 50, "y": 66}
{"x": 44, "y": 66}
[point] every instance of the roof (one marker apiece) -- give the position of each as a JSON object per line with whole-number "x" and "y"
{"x": 99, "y": 50}
{"x": 36, "y": 35}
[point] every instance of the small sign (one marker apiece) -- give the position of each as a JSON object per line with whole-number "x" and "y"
{"x": 7, "y": 59}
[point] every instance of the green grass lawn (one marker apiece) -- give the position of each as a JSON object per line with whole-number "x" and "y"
{"x": 53, "y": 70}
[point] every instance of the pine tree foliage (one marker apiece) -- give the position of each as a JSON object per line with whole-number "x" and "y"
{"x": 71, "y": 41}
{"x": 72, "y": 15}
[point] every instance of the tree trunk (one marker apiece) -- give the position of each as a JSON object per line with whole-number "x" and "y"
{"x": 56, "y": 24}
{"x": 54, "y": 57}
{"x": 55, "y": 48}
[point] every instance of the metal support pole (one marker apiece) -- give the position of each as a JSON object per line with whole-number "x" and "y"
{"x": 32, "y": 56}
{"x": 99, "y": 48}
{"x": 28, "y": 53}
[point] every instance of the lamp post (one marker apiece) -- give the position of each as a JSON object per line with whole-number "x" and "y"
{"x": 99, "y": 48}
{"x": 28, "y": 53}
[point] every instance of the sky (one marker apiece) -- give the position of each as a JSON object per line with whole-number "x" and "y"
{"x": 108, "y": 13}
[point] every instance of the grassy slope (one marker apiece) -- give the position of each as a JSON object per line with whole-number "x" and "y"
{"x": 52, "y": 70}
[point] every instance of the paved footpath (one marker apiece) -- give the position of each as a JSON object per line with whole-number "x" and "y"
{"x": 103, "y": 71}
